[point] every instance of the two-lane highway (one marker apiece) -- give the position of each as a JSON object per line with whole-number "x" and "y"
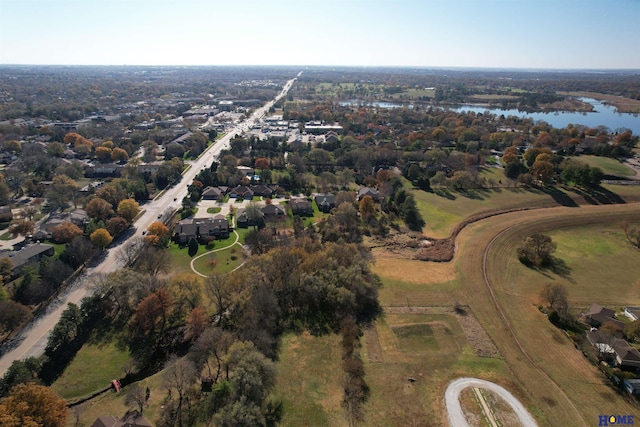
{"x": 33, "y": 340}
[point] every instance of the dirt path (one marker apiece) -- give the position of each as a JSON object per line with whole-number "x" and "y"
{"x": 485, "y": 407}
{"x": 456, "y": 414}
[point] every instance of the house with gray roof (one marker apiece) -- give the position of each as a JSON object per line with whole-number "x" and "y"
{"x": 325, "y": 201}
{"x": 202, "y": 229}
{"x": 28, "y": 254}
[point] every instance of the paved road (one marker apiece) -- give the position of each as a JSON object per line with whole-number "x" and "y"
{"x": 456, "y": 415}
{"x": 33, "y": 340}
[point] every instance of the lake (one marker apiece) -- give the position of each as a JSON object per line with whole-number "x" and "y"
{"x": 603, "y": 115}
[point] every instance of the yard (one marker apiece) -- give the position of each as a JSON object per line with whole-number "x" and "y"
{"x": 92, "y": 369}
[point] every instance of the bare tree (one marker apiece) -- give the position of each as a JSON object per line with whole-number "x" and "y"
{"x": 153, "y": 260}
{"x": 136, "y": 397}
{"x": 128, "y": 253}
{"x": 556, "y": 295}
{"x": 220, "y": 292}
{"x": 213, "y": 342}
{"x": 180, "y": 376}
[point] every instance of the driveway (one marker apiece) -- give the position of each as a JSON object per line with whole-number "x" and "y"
{"x": 456, "y": 415}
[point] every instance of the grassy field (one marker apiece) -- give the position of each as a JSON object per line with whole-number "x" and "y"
{"x": 442, "y": 210}
{"x": 92, "y": 369}
{"x": 608, "y": 165}
{"x": 553, "y": 380}
{"x": 310, "y": 381}
{"x": 429, "y": 348}
{"x": 558, "y": 393}
{"x": 221, "y": 261}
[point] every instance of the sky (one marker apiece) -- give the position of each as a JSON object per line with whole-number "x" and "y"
{"x": 530, "y": 34}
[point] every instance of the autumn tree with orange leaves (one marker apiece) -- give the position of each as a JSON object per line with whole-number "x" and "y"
{"x": 31, "y": 405}
{"x": 157, "y": 234}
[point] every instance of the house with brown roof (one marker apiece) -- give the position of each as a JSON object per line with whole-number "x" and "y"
{"x": 301, "y": 206}
{"x": 273, "y": 211}
{"x": 614, "y": 350}
{"x": 213, "y": 193}
{"x": 263, "y": 190}
{"x": 626, "y": 356}
{"x": 241, "y": 192}
{"x": 599, "y": 315}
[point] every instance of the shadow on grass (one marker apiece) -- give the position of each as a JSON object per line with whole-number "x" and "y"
{"x": 598, "y": 195}
{"x": 443, "y": 192}
{"x": 556, "y": 266}
{"x": 471, "y": 194}
{"x": 560, "y": 197}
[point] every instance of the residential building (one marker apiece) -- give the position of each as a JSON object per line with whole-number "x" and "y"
{"x": 368, "y": 191}
{"x": 273, "y": 211}
{"x": 599, "y": 315}
{"x": 201, "y": 229}
{"x": 632, "y": 313}
{"x": 241, "y": 192}
{"x": 213, "y": 193}
{"x": 325, "y": 201}
{"x": 29, "y": 254}
{"x": 301, "y": 206}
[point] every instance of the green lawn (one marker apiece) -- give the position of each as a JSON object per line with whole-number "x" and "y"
{"x": 582, "y": 248}
{"x": 608, "y": 165}
{"x": 443, "y": 210}
{"x": 92, "y": 369}
{"x": 214, "y": 210}
{"x": 221, "y": 261}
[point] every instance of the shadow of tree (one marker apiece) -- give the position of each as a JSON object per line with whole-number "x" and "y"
{"x": 471, "y": 194}
{"x": 560, "y": 267}
{"x": 598, "y": 195}
{"x": 443, "y": 192}
{"x": 560, "y": 197}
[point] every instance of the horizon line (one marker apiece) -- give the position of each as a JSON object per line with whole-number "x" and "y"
{"x": 440, "y": 67}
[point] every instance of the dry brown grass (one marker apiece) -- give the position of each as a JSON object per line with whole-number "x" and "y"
{"x": 472, "y": 409}
{"x": 413, "y": 271}
{"x": 560, "y": 378}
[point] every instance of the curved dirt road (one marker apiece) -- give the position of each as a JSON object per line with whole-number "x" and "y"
{"x": 455, "y": 413}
